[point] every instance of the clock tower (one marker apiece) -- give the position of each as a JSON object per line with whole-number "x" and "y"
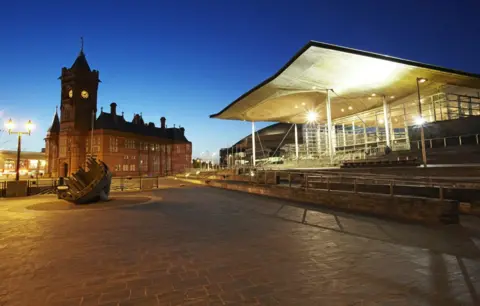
{"x": 79, "y": 86}
{"x": 78, "y": 107}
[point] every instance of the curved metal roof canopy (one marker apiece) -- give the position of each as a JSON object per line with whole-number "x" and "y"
{"x": 352, "y": 75}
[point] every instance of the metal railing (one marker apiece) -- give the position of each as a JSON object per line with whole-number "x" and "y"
{"x": 443, "y": 142}
{"x": 461, "y": 189}
{"x": 49, "y": 185}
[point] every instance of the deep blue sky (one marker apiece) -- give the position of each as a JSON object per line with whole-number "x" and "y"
{"x": 186, "y": 60}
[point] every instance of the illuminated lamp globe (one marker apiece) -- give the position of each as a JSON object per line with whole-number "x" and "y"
{"x": 9, "y": 125}
{"x": 30, "y": 126}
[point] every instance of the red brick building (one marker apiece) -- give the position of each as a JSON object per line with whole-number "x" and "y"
{"x": 129, "y": 148}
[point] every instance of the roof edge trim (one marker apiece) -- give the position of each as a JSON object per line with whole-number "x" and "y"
{"x": 313, "y": 43}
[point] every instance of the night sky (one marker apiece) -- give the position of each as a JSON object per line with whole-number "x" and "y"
{"x": 186, "y": 60}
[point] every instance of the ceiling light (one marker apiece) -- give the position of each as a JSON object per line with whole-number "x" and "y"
{"x": 303, "y": 103}
{"x": 350, "y": 108}
{"x": 296, "y": 106}
{"x": 421, "y": 80}
{"x": 380, "y": 121}
{"x": 312, "y": 116}
{"x": 342, "y": 110}
{"x": 314, "y": 87}
{"x": 373, "y": 94}
{"x": 396, "y": 120}
{"x": 419, "y": 120}
{"x": 392, "y": 97}
{"x": 369, "y": 98}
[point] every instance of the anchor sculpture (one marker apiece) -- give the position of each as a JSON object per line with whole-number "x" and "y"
{"x": 87, "y": 186}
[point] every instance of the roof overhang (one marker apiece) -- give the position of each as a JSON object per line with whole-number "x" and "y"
{"x": 351, "y": 75}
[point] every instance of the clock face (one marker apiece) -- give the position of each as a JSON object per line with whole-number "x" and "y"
{"x": 84, "y": 94}
{"x": 70, "y": 93}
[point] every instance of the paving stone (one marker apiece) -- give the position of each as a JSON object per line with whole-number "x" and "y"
{"x": 115, "y": 296}
{"x": 209, "y": 246}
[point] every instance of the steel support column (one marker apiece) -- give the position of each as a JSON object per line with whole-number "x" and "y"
{"x": 296, "y": 142}
{"x": 407, "y": 137}
{"x": 385, "y": 120}
{"x": 354, "y": 133}
{"x": 253, "y": 144}
{"x": 329, "y": 127}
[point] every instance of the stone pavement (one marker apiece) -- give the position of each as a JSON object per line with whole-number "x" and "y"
{"x": 196, "y": 245}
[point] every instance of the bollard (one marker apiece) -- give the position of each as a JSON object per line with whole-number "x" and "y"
{"x": 355, "y": 185}
{"x": 391, "y": 189}
{"x": 140, "y": 183}
{"x": 440, "y": 191}
{"x": 289, "y": 179}
{"x": 328, "y": 183}
{"x": 306, "y": 182}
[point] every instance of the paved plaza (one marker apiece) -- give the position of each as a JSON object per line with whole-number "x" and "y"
{"x": 194, "y": 245}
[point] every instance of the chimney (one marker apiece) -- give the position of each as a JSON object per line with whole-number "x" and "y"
{"x": 182, "y": 130}
{"x": 162, "y": 122}
{"x": 113, "y": 108}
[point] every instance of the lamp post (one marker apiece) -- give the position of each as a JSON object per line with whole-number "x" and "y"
{"x": 421, "y": 122}
{"x": 10, "y": 126}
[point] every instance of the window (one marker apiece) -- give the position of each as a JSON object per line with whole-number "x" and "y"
{"x": 32, "y": 164}
{"x": 134, "y": 157}
{"x": 117, "y": 168}
{"x": 125, "y": 157}
{"x": 132, "y": 167}
{"x": 113, "y": 144}
{"x": 125, "y": 167}
{"x": 129, "y": 144}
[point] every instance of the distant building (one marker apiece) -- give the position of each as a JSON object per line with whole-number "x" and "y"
{"x": 128, "y": 148}
{"x": 31, "y": 163}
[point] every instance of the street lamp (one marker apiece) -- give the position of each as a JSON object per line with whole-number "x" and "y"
{"x": 10, "y": 126}
{"x": 421, "y": 121}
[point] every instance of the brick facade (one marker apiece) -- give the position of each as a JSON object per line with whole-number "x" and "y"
{"x": 129, "y": 148}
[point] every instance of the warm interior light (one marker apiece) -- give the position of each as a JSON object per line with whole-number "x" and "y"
{"x": 421, "y": 80}
{"x": 373, "y": 94}
{"x": 369, "y": 98}
{"x": 296, "y": 106}
{"x": 9, "y": 125}
{"x": 380, "y": 121}
{"x": 303, "y": 103}
{"x": 30, "y": 126}
{"x": 419, "y": 120}
{"x": 350, "y": 107}
{"x": 392, "y": 97}
{"x": 312, "y": 116}
{"x": 314, "y": 87}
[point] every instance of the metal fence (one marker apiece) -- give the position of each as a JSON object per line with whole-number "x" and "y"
{"x": 49, "y": 185}
{"x": 461, "y": 189}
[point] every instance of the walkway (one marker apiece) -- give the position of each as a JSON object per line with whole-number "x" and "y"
{"x": 193, "y": 245}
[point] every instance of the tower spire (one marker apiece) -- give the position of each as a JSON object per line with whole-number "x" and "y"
{"x": 81, "y": 41}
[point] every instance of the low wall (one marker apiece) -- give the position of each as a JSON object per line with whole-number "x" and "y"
{"x": 424, "y": 210}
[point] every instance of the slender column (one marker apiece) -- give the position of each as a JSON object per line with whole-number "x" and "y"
{"x": 354, "y": 133}
{"x": 329, "y": 127}
{"x": 319, "y": 144}
{"x": 344, "y": 136}
{"x": 19, "y": 149}
{"x": 407, "y": 137}
{"x": 253, "y": 144}
{"x": 365, "y": 135}
{"x": 296, "y": 142}
{"x": 385, "y": 120}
